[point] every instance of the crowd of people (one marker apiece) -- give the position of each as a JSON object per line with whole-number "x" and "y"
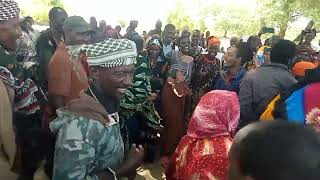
{"x": 85, "y": 102}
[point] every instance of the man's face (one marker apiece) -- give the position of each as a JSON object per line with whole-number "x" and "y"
{"x": 115, "y": 81}
{"x": 231, "y": 58}
{"x": 159, "y": 25}
{"x": 154, "y": 51}
{"x": 185, "y": 46}
{"x": 10, "y": 31}
{"x": 207, "y": 34}
{"x": 93, "y": 22}
{"x": 309, "y": 37}
{"x": 57, "y": 23}
{"x": 118, "y": 29}
{"x": 233, "y": 42}
{"x": 255, "y": 43}
{"x": 195, "y": 40}
{"x": 78, "y": 38}
{"x": 169, "y": 35}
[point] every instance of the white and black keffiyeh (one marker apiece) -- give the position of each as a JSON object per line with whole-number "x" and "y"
{"x": 9, "y": 9}
{"x": 111, "y": 53}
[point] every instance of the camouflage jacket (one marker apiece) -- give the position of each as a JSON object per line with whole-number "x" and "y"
{"x": 85, "y": 147}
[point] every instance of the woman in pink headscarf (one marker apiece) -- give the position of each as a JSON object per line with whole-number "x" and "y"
{"x": 203, "y": 152}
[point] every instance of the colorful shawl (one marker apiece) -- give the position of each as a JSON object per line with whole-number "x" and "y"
{"x": 135, "y": 99}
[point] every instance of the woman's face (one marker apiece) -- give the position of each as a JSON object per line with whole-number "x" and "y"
{"x": 213, "y": 50}
{"x": 154, "y": 51}
{"x": 180, "y": 77}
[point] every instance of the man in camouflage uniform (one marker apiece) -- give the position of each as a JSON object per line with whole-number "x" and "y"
{"x": 89, "y": 143}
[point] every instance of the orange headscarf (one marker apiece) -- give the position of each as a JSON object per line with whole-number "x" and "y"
{"x": 300, "y": 68}
{"x": 214, "y": 41}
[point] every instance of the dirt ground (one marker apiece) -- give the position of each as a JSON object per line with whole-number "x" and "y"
{"x": 146, "y": 172}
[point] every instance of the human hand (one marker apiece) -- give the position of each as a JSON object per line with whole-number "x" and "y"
{"x": 152, "y": 97}
{"x": 135, "y": 157}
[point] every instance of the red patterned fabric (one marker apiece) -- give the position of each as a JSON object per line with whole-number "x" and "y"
{"x": 217, "y": 114}
{"x": 204, "y": 159}
{"x": 203, "y": 152}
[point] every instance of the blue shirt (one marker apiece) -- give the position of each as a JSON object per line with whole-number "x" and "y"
{"x": 232, "y": 85}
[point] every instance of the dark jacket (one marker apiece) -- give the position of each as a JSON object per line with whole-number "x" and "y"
{"x": 259, "y": 87}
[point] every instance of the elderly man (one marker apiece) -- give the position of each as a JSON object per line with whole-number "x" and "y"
{"x": 87, "y": 129}
{"x": 19, "y": 106}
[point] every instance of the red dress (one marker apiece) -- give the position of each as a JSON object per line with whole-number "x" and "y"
{"x": 204, "y": 159}
{"x": 203, "y": 153}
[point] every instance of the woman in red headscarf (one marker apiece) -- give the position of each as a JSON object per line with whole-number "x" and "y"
{"x": 203, "y": 152}
{"x": 205, "y": 70}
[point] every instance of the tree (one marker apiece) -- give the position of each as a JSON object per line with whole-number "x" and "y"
{"x": 180, "y": 19}
{"x": 279, "y": 14}
{"x": 232, "y": 20}
{"x": 122, "y": 23}
{"x": 39, "y": 9}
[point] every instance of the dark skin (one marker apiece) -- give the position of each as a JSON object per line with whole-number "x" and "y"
{"x": 77, "y": 38}
{"x": 56, "y": 25}
{"x": 232, "y": 62}
{"x": 118, "y": 29}
{"x": 234, "y": 172}
{"x": 185, "y": 46}
{"x": 72, "y": 38}
{"x": 168, "y": 36}
{"x": 159, "y": 25}
{"x": 113, "y": 81}
{"x": 93, "y": 22}
{"x": 195, "y": 39}
{"x": 213, "y": 50}
{"x": 10, "y": 31}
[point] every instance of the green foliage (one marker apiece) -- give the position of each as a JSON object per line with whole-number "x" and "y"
{"x": 238, "y": 20}
{"x": 233, "y": 20}
{"x": 39, "y": 9}
{"x": 180, "y": 19}
{"x": 279, "y": 14}
{"x": 122, "y": 23}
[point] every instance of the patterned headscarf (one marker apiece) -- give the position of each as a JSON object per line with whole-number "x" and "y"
{"x": 217, "y": 114}
{"x": 9, "y": 9}
{"x": 111, "y": 53}
{"x": 155, "y": 41}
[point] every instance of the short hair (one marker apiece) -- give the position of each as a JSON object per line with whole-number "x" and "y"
{"x": 278, "y": 150}
{"x": 53, "y": 12}
{"x": 245, "y": 52}
{"x": 181, "y": 38}
{"x": 169, "y": 26}
{"x": 139, "y": 41}
{"x": 283, "y": 51}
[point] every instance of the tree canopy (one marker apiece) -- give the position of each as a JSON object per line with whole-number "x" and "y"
{"x": 39, "y": 9}
{"x": 238, "y": 20}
